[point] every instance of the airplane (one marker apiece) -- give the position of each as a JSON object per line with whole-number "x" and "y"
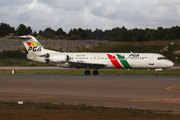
{"x": 84, "y": 60}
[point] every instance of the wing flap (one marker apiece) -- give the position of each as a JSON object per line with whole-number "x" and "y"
{"x": 87, "y": 65}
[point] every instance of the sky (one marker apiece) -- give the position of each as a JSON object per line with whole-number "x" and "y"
{"x": 90, "y": 14}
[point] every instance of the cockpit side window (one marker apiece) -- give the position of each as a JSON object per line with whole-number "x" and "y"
{"x": 161, "y": 58}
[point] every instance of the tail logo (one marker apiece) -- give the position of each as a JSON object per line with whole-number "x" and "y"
{"x": 34, "y": 46}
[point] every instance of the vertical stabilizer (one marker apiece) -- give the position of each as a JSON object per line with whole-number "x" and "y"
{"x": 32, "y": 45}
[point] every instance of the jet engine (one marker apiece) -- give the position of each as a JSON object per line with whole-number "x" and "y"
{"x": 56, "y": 58}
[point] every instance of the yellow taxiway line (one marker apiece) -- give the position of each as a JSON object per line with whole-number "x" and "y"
{"x": 173, "y": 88}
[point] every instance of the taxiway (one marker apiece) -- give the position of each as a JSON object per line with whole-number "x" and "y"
{"x": 51, "y": 68}
{"x": 139, "y": 92}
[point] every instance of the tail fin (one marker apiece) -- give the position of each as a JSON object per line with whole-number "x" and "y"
{"x": 32, "y": 45}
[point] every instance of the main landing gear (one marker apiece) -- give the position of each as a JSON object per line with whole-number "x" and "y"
{"x": 95, "y": 72}
{"x": 87, "y": 72}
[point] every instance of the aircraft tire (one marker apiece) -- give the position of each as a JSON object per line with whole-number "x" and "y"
{"x": 87, "y": 72}
{"x": 95, "y": 72}
{"x": 155, "y": 74}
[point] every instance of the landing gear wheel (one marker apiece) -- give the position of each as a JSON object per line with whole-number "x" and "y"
{"x": 95, "y": 72}
{"x": 87, "y": 72}
{"x": 155, "y": 74}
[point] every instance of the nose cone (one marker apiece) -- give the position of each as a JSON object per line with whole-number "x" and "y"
{"x": 171, "y": 64}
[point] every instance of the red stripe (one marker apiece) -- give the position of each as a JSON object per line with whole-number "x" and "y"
{"x": 114, "y": 61}
{"x": 29, "y": 43}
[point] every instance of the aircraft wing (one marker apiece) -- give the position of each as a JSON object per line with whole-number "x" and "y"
{"x": 86, "y": 65}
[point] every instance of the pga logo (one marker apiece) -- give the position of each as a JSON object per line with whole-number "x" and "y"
{"x": 34, "y": 46}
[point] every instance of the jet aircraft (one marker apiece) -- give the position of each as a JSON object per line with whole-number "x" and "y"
{"x": 95, "y": 61}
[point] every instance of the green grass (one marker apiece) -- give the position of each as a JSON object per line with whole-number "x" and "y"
{"x": 166, "y": 72}
{"x": 50, "y": 111}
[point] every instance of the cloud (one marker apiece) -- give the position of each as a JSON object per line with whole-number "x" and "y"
{"x": 118, "y": 1}
{"x": 139, "y": 12}
{"x": 67, "y": 5}
{"x": 92, "y": 14}
{"x": 167, "y": 2}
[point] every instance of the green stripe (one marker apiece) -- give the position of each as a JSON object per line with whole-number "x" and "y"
{"x": 123, "y": 61}
{"x": 38, "y": 44}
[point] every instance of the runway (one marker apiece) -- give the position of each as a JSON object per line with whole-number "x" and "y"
{"x": 51, "y": 68}
{"x": 139, "y": 92}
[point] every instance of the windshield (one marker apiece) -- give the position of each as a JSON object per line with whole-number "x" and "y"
{"x": 161, "y": 58}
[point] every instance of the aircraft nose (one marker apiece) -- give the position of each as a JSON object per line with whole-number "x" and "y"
{"x": 171, "y": 64}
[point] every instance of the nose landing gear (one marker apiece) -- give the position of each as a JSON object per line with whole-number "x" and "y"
{"x": 156, "y": 74}
{"x": 159, "y": 69}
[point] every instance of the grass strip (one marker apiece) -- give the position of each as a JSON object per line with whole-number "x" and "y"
{"x": 166, "y": 72}
{"x": 50, "y": 111}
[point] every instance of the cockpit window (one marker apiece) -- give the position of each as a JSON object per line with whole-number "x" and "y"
{"x": 161, "y": 58}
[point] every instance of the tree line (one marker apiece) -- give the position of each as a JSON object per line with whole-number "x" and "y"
{"x": 116, "y": 34}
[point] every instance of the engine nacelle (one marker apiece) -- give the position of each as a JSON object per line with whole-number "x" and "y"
{"x": 57, "y": 58}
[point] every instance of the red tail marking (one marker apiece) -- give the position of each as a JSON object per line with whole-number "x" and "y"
{"x": 29, "y": 43}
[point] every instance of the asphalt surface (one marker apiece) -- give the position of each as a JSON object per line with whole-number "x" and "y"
{"x": 33, "y": 68}
{"x": 51, "y": 68}
{"x": 139, "y": 92}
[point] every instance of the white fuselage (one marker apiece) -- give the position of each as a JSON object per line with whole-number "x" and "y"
{"x": 139, "y": 60}
{"x": 114, "y": 60}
